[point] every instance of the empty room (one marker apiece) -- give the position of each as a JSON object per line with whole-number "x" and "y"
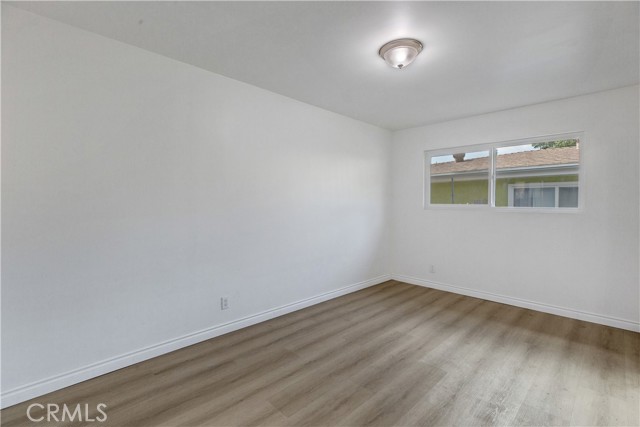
{"x": 320, "y": 213}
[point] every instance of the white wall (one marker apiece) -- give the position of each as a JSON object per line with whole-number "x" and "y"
{"x": 581, "y": 265}
{"x": 137, "y": 190}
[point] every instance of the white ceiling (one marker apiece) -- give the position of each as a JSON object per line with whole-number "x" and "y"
{"x": 478, "y": 57}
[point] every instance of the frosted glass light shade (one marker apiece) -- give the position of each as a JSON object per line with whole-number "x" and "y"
{"x": 400, "y": 53}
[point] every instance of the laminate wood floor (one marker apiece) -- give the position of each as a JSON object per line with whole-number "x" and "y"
{"x": 389, "y": 355}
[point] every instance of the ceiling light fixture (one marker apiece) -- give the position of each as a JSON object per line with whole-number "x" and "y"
{"x": 401, "y": 52}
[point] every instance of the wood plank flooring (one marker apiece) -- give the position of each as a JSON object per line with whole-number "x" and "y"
{"x": 389, "y": 355}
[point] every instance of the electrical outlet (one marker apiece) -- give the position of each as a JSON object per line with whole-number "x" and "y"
{"x": 432, "y": 269}
{"x": 224, "y": 303}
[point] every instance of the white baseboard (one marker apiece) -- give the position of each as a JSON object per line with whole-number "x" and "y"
{"x": 518, "y": 302}
{"x": 47, "y": 385}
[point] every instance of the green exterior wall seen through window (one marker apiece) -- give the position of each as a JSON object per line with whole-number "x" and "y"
{"x": 477, "y": 191}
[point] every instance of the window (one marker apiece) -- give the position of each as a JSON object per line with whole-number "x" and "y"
{"x": 456, "y": 182}
{"x": 534, "y": 173}
{"x": 544, "y": 195}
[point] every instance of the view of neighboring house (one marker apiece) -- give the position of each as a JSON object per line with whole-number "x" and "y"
{"x": 535, "y": 178}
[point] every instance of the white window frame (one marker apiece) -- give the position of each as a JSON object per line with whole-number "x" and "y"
{"x": 492, "y": 148}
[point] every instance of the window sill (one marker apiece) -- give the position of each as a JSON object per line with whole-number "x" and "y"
{"x": 487, "y": 208}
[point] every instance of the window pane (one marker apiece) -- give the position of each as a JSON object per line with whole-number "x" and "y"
{"x": 568, "y": 197}
{"x": 460, "y": 178}
{"x": 535, "y": 197}
{"x": 538, "y": 175}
